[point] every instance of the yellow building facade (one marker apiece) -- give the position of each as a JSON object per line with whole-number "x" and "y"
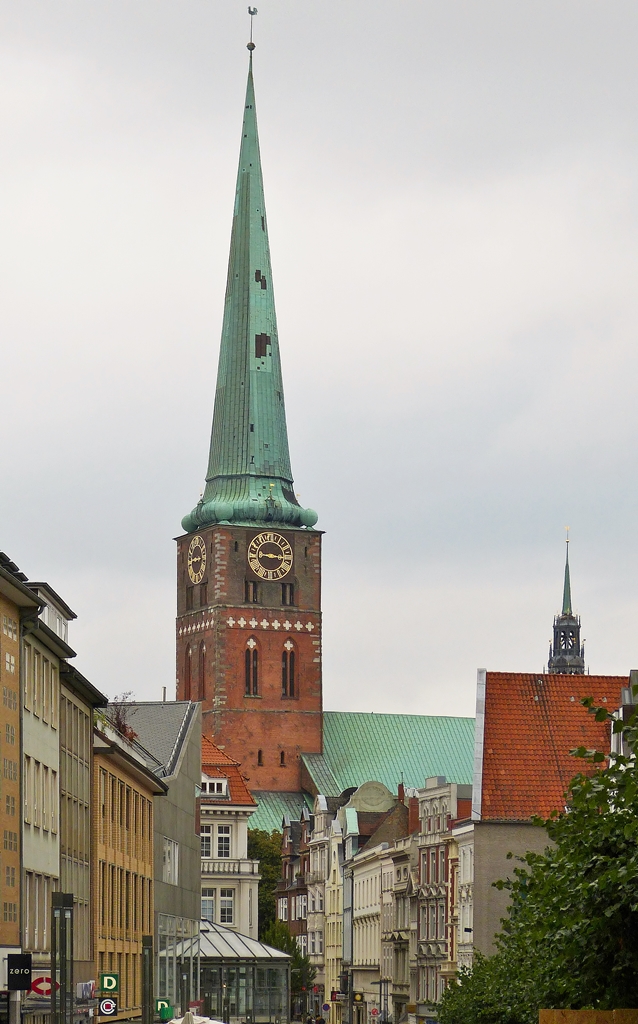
{"x": 123, "y": 791}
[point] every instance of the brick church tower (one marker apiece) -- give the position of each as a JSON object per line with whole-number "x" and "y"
{"x": 249, "y": 564}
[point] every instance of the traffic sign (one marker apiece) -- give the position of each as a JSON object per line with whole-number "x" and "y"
{"x": 161, "y": 1004}
{"x": 42, "y": 986}
{"x": 325, "y": 1007}
{"x": 18, "y": 972}
{"x": 107, "y": 1007}
{"x": 374, "y": 1011}
{"x": 109, "y": 983}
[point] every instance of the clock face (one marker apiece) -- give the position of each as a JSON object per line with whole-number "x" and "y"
{"x": 270, "y": 556}
{"x": 196, "y": 559}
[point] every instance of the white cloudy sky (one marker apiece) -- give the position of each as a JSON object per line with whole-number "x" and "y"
{"x": 452, "y": 200}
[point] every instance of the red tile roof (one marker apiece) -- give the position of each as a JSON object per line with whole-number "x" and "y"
{"x": 531, "y": 724}
{"x": 216, "y": 764}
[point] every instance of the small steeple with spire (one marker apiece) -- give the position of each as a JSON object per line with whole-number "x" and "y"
{"x": 567, "y": 654}
{"x": 249, "y": 479}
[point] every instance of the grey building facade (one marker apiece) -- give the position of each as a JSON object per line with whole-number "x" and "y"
{"x": 172, "y": 732}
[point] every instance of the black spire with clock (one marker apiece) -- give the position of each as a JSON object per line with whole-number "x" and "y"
{"x": 249, "y": 564}
{"x": 566, "y": 653}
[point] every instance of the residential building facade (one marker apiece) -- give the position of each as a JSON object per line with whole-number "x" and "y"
{"x": 229, "y": 878}
{"x": 44, "y": 649}
{"x": 78, "y": 699}
{"x": 169, "y": 734}
{"x": 124, "y": 788}
{"x": 18, "y": 607}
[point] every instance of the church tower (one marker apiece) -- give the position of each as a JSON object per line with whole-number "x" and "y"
{"x": 567, "y": 654}
{"x": 249, "y": 565}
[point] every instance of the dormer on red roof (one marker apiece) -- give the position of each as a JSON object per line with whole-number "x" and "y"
{"x": 222, "y": 780}
{"x": 526, "y": 725}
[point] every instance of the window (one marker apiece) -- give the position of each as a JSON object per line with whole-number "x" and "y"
{"x": 170, "y": 865}
{"x": 9, "y": 698}
{"x": 226, "y": 900}
{"x": 288, "y": 670}
{"x": 302, "y": 942}
{"x": 282, "y": 759}
{"x": 10, "y": 663}
{"x": 10, "y": 627}
{"x": 189, "y": 599}
{"x": 260, "y": 758}
{"x": 202, "y": 671}
{"x": 10, "y": 769}
{"x": 208, "y": 905}
{"x": 432, "y": 924}
{"x": 287, "y": 594}
{"x": 251, "y": 595}
{"x": 441, "y": 934}
{"x": 10, "y": 734}
{"x": 282, "y": 909}
{"x": 223, "y": 840}
{"x": 302, "y": 907}
{"x": 205, "y": 838}
{"x": 187, "y": 673}
{"x": 10, "y": 840}
{"x": 10, "y": 877}
{"x": 432, "y": 866}
{"x": 319, "y": 942}
{"x": 252, "y": 668}
{"x": 442, "y": 864}
{"x": 10, "y": 911}
{"x": 203, "y": 595}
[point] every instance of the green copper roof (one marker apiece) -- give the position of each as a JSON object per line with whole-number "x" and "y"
{"x": 249, "y": 479}
{"x": 271, "y": 808}
{"x": 360, "y": 746}
{"x": 567, "y": 589}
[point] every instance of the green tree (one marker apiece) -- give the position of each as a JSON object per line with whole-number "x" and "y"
{"x": 570, "y": 940}
{"x": 302, "y": 972}
{"x": 266, "y": 848}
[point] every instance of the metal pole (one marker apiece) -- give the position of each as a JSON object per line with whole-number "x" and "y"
{"x": 62, "y": 958}
{"x": 147, "y": 979}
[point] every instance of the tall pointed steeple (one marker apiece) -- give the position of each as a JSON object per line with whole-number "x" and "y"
{"x": 567, "y": 654}
{"x": 567, "y": 588}
{"x": 249, "y": 479}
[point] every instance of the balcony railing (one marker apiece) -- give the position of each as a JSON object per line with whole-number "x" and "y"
{"x": 227, "y": 866}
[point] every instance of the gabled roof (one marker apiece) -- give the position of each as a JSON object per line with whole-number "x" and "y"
{"x": 361, "y": 745}
{"x": 216, "y": 764}
{"x": 219, "y": 943}
{"x": 272, "y": 808}
{"x": 393, "y": 826}
{"x": 162, "y": 727}
{"x": 529, "y": 724}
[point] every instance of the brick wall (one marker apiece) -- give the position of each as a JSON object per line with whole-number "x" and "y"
{"x": 218, "y": 621}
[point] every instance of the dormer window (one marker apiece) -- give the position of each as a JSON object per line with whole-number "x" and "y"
{"x": 214, "y": 787}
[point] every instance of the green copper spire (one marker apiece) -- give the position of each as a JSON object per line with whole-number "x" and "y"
{"x": 249, "y": 479}
{"x": 567, "y": 589}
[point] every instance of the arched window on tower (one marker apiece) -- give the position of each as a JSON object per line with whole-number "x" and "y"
{"x": 187, "y": 674}
{"x": 202, "y": 673}
{"x": 260, "y": 758}
{"x": 251, "y": 663}
{"x": 288, "y": 679}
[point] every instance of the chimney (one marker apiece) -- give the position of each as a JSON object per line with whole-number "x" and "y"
{"x": 413, "y": 815}
{"x": 401, "y": 793}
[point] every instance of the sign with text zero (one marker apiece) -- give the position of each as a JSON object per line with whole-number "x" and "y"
{"x": 18, "y": 972}
{"x": 107, "y": 1007}
{"x": 109, "y": 982}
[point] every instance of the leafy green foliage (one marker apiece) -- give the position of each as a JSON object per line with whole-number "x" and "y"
{"x": 570, "y": 940}
{"x": 266, "y": 848}
{"x": 302, "y": 972}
